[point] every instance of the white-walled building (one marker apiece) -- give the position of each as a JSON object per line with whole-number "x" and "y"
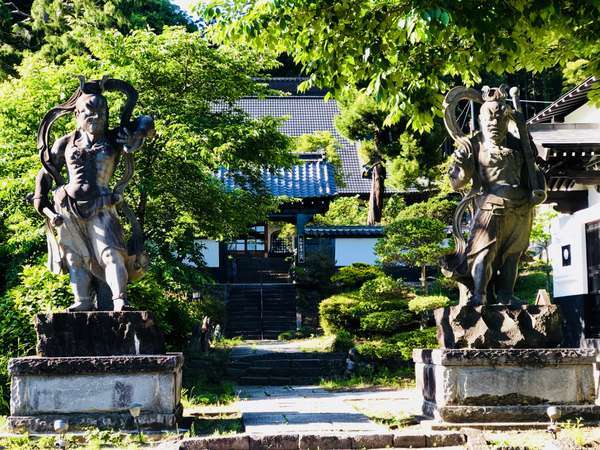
{"x": 567, "y": 137}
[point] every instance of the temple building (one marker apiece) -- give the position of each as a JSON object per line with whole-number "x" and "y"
{"x": 263, "y": 254}
{"x": 567, "y": 137}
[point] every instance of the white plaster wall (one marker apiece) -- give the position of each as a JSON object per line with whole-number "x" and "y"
{"x": 584, "y": 114}
{"x": 353, "y": 250}
{"x": 210, "y": 252}
{"x": 570, "y": 230}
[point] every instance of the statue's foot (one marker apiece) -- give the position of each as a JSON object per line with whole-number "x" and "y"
{"x": 120, "y": 304}
{"x": 82, "y": 304}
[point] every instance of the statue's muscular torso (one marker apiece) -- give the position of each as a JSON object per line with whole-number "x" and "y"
{"x": 89, "y": 165}
{"x": 500, "y": 170}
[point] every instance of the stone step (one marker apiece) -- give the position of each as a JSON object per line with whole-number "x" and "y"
{"x": 278, "y": 381}
{"x": 295, "y": 356}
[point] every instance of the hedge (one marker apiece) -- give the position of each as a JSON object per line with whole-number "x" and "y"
{"x": 398, "y": 348}
{"x": 386, "y": 322}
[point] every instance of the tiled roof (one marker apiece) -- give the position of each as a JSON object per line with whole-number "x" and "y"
{"x": 307, "y": 114}
{"x": 344, "y": 231}
{"x": 565, "y": 104}
{"x": 308, "y": 180}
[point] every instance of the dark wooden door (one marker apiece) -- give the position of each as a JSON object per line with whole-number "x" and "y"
{"x": 592, "y": 301}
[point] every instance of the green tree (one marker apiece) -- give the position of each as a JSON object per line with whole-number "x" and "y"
{"x": 325, "y": 143}
{"x": 407, "y": 54}
{"x": 417, "y": 242}
{"x": 437, "y": 207}
{"x": 362, "y": 119}
{"x": 343, "y": 211}
{"x": 60, "y": 27}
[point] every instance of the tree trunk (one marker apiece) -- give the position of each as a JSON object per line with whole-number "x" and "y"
{"x": 376, "y": 194}
{"x": 424, "y": 279}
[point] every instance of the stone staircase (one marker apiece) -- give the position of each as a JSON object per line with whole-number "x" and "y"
{"x": 260, "y": 311}
{"x": 285, "y": 368}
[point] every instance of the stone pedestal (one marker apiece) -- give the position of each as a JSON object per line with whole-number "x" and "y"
{"x": 76, "y": 378}
{"x": 505, "y": 385}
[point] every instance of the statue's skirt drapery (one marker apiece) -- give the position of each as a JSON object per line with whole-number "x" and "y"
{"x": 89, "y": 229}
{"x": 499, "y": 225}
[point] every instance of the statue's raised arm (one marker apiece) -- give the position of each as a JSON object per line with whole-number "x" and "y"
{"x": 85, "y": 237}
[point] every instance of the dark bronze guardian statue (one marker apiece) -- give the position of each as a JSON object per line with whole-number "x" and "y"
{"x": 495, "y": 170}
{"x": 85, "y": 237}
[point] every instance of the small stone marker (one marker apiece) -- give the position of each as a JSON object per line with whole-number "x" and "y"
{"x": 543, "y": 298}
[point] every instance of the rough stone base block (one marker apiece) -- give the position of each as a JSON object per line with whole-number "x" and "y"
{"x": 499, "y": 326}
{"x": 96, "y": 391}
{"x": 117, "y": 421}
{"x": 511, "y": 385}
{"x": 98, "y": 333}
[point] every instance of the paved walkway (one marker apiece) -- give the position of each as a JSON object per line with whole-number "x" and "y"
{"x": 311, "y": 409}
{"x": 250, "y": 348}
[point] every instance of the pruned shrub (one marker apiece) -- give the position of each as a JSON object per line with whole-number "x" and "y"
{"x": 339, "y": 312}
{"x": 410, "y": 340}
{"x": 343, "y": 342}
{"x": 386, "y": 322}
{"x": 384, "y": 288}
{"x": 379, "y": 351}
{"x": 354, "y": 275}
{"x": 422, "y": 303}
{"x": 398, "y": 348}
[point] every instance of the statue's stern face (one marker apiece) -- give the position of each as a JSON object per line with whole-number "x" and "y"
{"x": 494, "y": 119}
{"x": 92, "y": 114}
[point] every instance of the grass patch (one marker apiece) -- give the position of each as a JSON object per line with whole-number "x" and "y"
{"x": 365, "y": 379}
{"x": 205, "y": 380}
{"x": 207, "y": 426}
{"x": 92, "y": 440}
{"x": 202, "y": 393}
{"x": 395, "y": 421}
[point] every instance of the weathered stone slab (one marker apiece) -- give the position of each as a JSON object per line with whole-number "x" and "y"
{"x": 92, "y": 393}
{"x": 34, "y": 365}
{"x": 274, "y": 442}
{"x": 504, "y": 385}
{"x": 527, "y": 357}
{"x": 118, "y": 421}
{"x": 499, "y": 326}
{"x": 98, "y": 333}
{"x": 236, "y": 442}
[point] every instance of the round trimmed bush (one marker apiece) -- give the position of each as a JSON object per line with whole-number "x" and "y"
{"x": 339, "y": 312}
{"x": 384, "y": 288}
{"x": 387, "y": 322}
{"x": 354, "y": 275}
{"x": 422, "y": 303}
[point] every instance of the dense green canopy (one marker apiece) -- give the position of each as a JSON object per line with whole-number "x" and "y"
{"x": 408, "y": 53}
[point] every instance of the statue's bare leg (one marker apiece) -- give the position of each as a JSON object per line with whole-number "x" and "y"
{"x": 116, "y": 276}
{"x": 481, "y": 271}
{"x": 81, "y": 283}
{"x": 506, "y": 279}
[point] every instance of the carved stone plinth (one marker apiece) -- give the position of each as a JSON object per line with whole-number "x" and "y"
{"x": 499, "y": 326}
{"x": 505, "y": 385}
{"x": 95, "y": 391}
{"x": 98, "y": 333}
